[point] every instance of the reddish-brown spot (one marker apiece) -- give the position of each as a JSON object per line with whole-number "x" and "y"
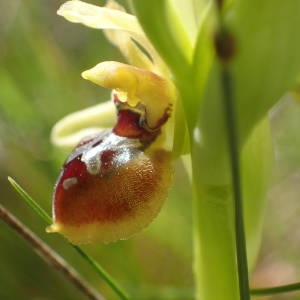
{"x": 128, "y": 125}
{"x": 107, "y": 162}
{"x": 220, "y": 3}
{"x": 224, "y": 45}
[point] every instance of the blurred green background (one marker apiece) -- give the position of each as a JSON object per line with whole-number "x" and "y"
{"x": 41, "y": 58}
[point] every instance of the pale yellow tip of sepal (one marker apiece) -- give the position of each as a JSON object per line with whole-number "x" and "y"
{"x": 116, "y": 76}
{"x": 53, "y": 228}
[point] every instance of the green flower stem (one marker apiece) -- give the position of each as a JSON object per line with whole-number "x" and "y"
{"x": 236, "y": 182}
{"x": 215, "y": 267}
{"x": 214, "y": 243}
{"x": 276, "y": 290}
{"x": 98, "y": 269}
{"x": 103, "y": 274}
{"x": 225, "y": 50}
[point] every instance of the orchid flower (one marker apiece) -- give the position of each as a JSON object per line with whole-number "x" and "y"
{"x": 125, "y": 172}
{"x": 170, "y": 100}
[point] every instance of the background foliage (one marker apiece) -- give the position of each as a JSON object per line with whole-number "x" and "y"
{"x": 41, "y": 58}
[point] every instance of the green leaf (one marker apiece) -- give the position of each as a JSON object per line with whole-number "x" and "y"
{"x": 165, "y": 30}
{"x": 199, "y": 7}
{"x": 257, "y": 163}
{"x": 185, "y": 10}
{"x": 202, "y": 62}
{"x": 267, "y": 59}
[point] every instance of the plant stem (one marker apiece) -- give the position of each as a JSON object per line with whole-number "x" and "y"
{"x": 49, "y": 255}
{"x": 215, "y": 261}
{"x": 103, "y": 274}
{"x": 236, "y": 183}
{"x": 225, "y": 50}
{"x": 276, "y": 290}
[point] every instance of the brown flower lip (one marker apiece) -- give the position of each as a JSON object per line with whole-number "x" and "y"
{"x": 109, "y": 189}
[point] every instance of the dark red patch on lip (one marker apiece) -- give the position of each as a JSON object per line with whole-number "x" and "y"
{"x": 107, "y": 160}
{"x": 128, "y": 125}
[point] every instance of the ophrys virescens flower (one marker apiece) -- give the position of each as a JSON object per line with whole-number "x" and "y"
{"x": 115, "y": 180}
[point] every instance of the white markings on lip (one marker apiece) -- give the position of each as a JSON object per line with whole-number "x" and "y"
{"x": 69, "y": 182}
{"x": 91, "y": 157}
{"x": 92, "y": 161}
{"x": 91, "y": 152}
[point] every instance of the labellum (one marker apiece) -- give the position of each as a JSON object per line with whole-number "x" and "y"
{"x": 114, "y": 183}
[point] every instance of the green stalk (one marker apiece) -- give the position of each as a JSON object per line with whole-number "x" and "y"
{"x": 215, "y": 267}
{"x": 276, "y": 290}
{"x": 225, "y": 50}
{"x": 214, "y": 243}
{"x": 236, "y": 183}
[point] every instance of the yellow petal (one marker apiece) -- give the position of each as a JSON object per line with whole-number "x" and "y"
{"x": 114, "y": 19}
{"x": 130, "y": 50}
{"x": 68, "y": 132}
{"x": 127, "y": 46}
{"x": 99, "y": 17}
{"x": 136, "y": 86}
